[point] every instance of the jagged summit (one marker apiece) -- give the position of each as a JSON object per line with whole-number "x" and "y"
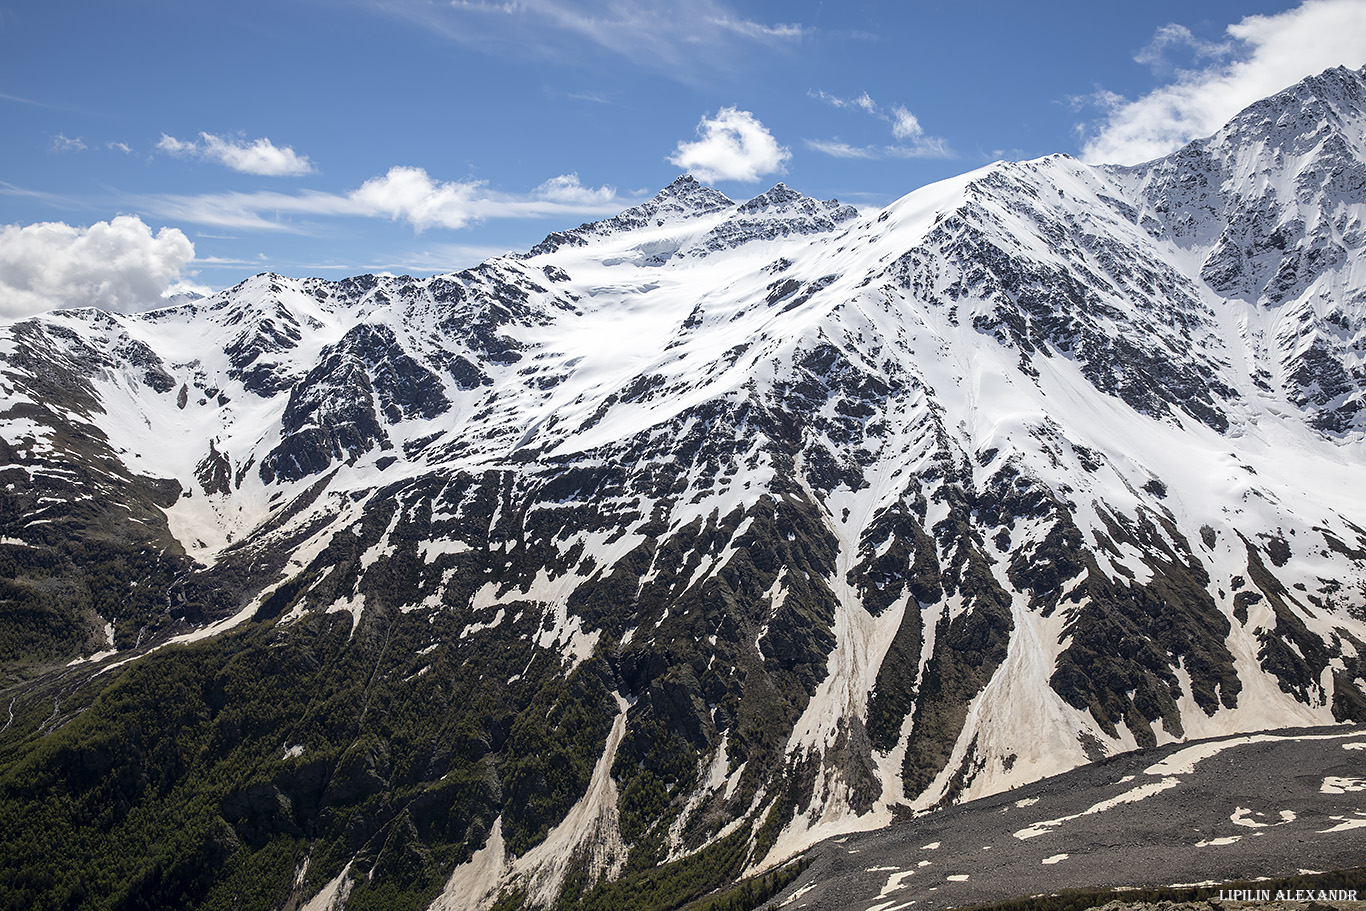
{"x": 780, "y": 212}
{"x": 781, "y": 196}
{"x": 1333, "y": 101}
{"x": 688, "y": 196}
{"x": 692, "y": 219}
{"x": 684, "y": 198}
{"x": 710, "y": 526}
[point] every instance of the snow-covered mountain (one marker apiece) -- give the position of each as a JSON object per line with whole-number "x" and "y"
{"x": 717, "y": 528}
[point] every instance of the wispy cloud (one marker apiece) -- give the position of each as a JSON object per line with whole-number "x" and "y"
{"x": 116, "y": 265}
{"x": 733, "y": 145}
{"x": 403, "y": 193}
{"x": 439, "y": 258}
{"x": 260, "y": 211}
{"x": 18, "y": 99}
{"x": 863, "y": 101}
{"x": 905, "y": 127}
{"x": 1157, "y": 53}
{"x": 1101, "y": 100}
{"x": 1264, "y": 55}
{"x": 680, "y": 39}
{"x": 64, "y": 143}
{"x": 751, "y": 29}
{"x": 837, "y": 149}
{"x": 258, "y": 156}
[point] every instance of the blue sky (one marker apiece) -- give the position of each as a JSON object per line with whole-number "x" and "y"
{"x": 153, "y": 143}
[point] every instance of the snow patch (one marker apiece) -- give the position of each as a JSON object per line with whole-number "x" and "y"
{"x": 1184, "y": 761}
{"x": 1219, "y": 842}
{"x": 1134, "y": 795}
{"x": 355, "y": 606}
{"x": 1356, "y": 821}
{"x": 430, "y": 550}
{"x": 896, "y": 882}
{"x": 473, "y": 628}
{"x": 1243, "y": 816}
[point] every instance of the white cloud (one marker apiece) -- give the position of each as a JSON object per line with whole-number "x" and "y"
{"x": 1268, "y": 54}
{"x": 172, "y": 146}
{"x": 114, "y": 265}
{"x": 410, "y": 194}
{"x": 123, "y": 147}
{"x": 259, "y": 156}
{"x": 63, "y": 143}
{"x": 904, "y": 125}
{"x": 733, "y": 145}
{"x": 567, "y": 189}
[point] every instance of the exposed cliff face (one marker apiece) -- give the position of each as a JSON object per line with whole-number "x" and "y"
{"x": 711, "y": 529}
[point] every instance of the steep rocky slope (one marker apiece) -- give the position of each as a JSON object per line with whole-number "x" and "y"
{"x": 692, "y": 535}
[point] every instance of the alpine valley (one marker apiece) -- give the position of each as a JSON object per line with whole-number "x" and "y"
{"x": 608, "y": 573}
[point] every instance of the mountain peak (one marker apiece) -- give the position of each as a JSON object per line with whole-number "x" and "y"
{"x": 780, "y": 212}
{"x": 783, "y": 198}
{"x": 684, "y": 198}
{"x": 780, "y": 194}
{"x": 1337, "y": 85}
{"x": 687, "y": 195}
{"x": 1295, "y": 117}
